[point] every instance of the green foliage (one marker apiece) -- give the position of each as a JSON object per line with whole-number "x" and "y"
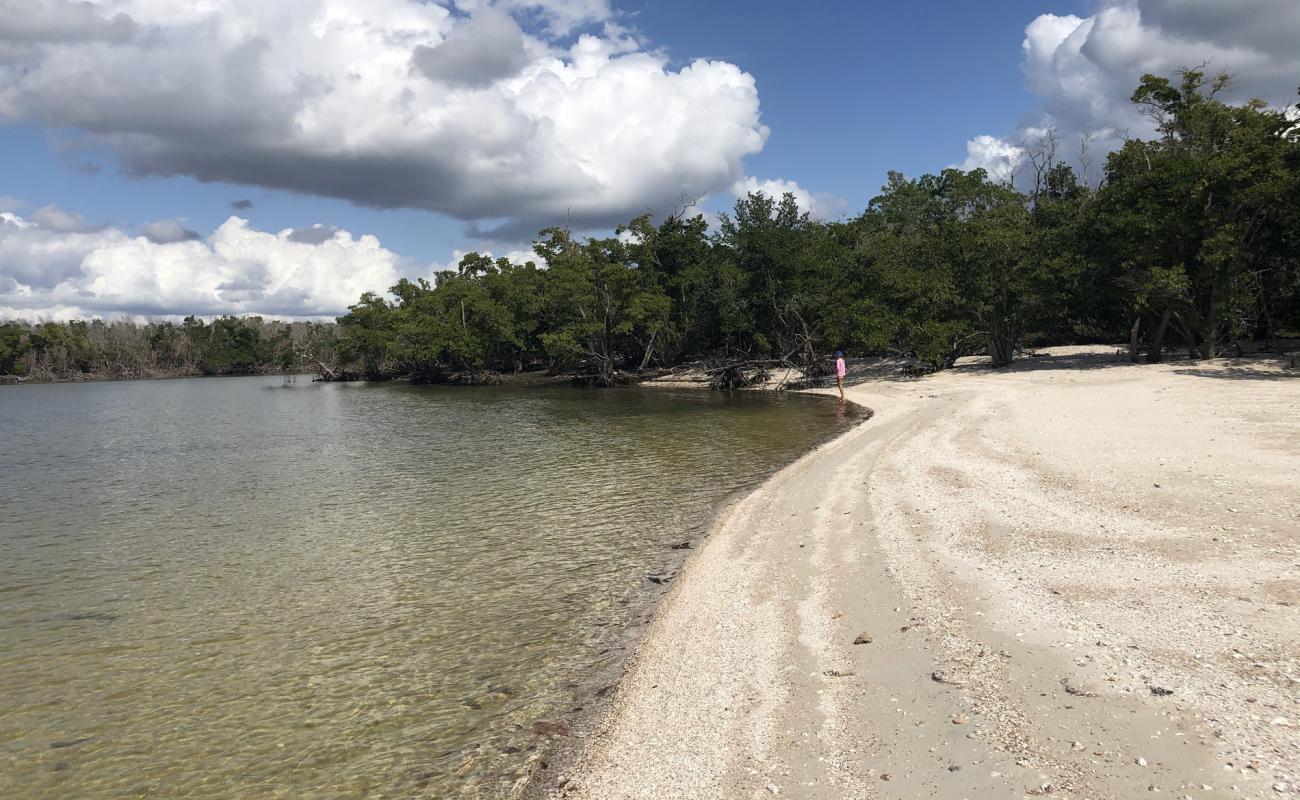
{"x": 15, "y": 342}
{"x": 482, "y": 316}
{"x": 1200, "y": 223}
{"x": 367, "y": 334}
{"x": 952, "y": 260}
{"x": 599, "y": 309}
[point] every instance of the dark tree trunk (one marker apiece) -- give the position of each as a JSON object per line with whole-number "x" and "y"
{"x": 1134, "y": 339}
{"x": 1156, "y": 351}
{"x": 649, "y": 351}
{"x": 1209, "y": 346}
{"x": 1002, "y": 347}
{"x": 1264, "y": 329}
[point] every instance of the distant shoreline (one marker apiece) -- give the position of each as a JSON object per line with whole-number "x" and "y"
{"x": 23, "y": 380}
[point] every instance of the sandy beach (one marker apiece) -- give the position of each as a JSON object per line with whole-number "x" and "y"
{"x": 1072, "y": 578}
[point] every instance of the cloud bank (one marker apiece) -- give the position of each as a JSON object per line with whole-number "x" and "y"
{"x": 53, "y": 269}
{"x": 509, "y": 113}
{"x": 1084, "y": 69}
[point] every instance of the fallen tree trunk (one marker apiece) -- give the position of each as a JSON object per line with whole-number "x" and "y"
{"x": 324, "y": 372}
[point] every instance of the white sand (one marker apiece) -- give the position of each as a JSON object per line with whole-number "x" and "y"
{"x": 1033, "y": 551}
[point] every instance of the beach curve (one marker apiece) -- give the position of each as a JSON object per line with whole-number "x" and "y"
{"x": 1044, "y": 616}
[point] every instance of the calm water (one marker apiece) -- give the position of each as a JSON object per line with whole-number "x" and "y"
{"x": 230, "y": 588}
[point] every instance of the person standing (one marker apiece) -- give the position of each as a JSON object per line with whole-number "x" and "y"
{"x": 839, "y": 372}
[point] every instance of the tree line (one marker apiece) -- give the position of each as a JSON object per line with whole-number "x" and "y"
{"x": 124, "y": 349}
{"x": 1188, "y": 241}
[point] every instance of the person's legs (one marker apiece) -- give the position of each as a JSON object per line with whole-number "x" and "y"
{"x": 839, "y": 381}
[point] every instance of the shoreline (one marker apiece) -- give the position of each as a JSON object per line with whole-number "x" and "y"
{"x": 597, "y": 692}
{"x": 550, "y": 777}
{"x": 745, "y": 683}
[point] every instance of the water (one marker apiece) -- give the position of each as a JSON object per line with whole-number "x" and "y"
{"x": 230, "y": 588}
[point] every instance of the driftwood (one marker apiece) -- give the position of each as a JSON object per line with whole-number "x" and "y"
{"x": 324, "y": 372}
{"x": 741, "y": 374}
{"x": 603, "y": 378}
{"x": 483, "y": 377}
{"x": 741, "y": 370}
{"x": 327, "y": 374}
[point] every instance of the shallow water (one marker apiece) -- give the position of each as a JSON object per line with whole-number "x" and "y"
{"x": 230, "y": 588}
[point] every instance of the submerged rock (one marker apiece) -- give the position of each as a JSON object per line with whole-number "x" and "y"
{"x": 545, "y": 727}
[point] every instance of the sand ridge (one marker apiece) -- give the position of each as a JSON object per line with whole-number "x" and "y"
{"x": 1079, "y": 578}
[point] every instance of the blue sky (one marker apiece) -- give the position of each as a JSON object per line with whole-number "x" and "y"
{"x": 419, "y": 128}
{"x": 854, "y": 89}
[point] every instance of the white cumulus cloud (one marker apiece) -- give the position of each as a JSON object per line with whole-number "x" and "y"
{"x": 996, "y": 157}
{"x": 817, "y": 205}
{"x": 47, "y": 272}
{"x": 508, "y": 113}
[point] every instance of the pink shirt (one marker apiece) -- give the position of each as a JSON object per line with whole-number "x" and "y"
{"x": 839, "y": 367}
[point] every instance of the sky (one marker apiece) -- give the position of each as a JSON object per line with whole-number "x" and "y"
{"x": 172, "y": 157}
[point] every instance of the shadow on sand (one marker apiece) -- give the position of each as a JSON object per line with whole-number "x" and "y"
{"x": 1045, "y": 361}
{"x": 1248, "y": 369}
{"x": 1264, "y": 366}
